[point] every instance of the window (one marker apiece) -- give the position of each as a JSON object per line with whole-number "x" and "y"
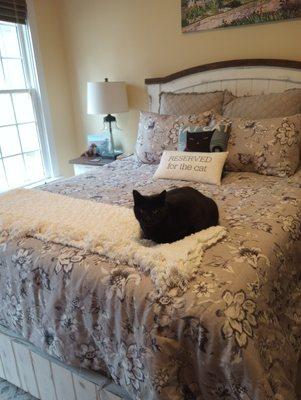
{"x": 24, "y": 151}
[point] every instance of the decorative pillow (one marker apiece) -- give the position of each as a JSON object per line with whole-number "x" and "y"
{"x": 272, "y": 105}
{"x": 219, "y": 140}
{"x": 211, "y": 138}
{"x": 191, "y": 166}
{"x": 157, "y": 133}
{"x": 182, "y": 143}
{"x": 198, "y": 141}
{"x": 266, "y": 146}
{"x": 193, "y": 103}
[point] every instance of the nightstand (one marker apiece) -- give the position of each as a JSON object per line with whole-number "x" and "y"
{"x": 88, "y": 164}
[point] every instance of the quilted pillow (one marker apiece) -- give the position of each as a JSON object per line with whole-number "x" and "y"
{"x": 265, "y": 106}
{"x": 157, "y": 133}
{"x": 266, "y": 146}
{"x": 193, "y": 103}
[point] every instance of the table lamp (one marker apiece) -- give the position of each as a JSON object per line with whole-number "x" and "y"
{"x": 107, "y": 98}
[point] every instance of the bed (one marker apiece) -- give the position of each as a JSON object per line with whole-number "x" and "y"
{"x": 217, "y": 336}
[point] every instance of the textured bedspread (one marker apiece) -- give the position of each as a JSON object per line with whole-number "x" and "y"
{"x": 233, "y": 332}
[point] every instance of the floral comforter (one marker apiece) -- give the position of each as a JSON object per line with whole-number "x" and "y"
{"x": 232, "y": 332}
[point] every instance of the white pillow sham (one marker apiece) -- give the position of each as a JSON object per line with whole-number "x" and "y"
{"x": 191, "y": 166}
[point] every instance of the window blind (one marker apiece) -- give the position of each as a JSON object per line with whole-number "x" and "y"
{"x": 13, "y": 11}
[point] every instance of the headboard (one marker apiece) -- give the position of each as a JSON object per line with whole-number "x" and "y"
{"x": 241, "y": 77}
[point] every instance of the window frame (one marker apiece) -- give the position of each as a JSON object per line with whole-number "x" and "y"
{"x": 32, "y": 87}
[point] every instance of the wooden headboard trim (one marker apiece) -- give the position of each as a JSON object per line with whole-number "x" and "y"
{"x": 256, "y": 62}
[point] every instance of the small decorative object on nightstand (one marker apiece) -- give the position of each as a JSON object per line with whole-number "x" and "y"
{"x": 88, "y": 164}
{"x": 106, "y": 98}
{"x": 92, "y": 151}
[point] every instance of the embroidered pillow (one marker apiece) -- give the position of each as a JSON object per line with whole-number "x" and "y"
{"x": 157, "y": 133}
{"x": 212, "y": 138}
{"x": 191, "y": 166}
{"x": 183, "y": 133}
{"x": 193, "y": 103}
{"x": 198, "y": 141}
{"x": 266, "y": 146}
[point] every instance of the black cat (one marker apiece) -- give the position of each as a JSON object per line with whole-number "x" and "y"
{"x": 172, "y": 215}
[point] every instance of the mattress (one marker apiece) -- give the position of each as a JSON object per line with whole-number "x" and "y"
{"x": 216, "y": 336}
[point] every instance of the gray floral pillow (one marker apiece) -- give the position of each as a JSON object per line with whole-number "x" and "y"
{"x": 266, "y": 146}
{"x": 157, "y": 133}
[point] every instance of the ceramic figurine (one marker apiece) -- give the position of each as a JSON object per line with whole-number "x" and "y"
{"x": 91, "y": 152}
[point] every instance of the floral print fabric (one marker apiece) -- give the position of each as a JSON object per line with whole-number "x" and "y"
{"x": 231, "y": 332}
{"x": 157, "y": 133}
{"x": 267, "y": 146}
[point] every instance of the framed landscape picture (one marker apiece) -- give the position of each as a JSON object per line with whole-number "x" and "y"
{"x": 199, "y": 15}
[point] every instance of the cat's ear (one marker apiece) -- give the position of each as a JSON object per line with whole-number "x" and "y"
{"x": 162, "y": 196}
{"x": 137, "y": 196}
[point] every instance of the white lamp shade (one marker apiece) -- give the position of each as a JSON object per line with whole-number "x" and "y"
{"x": 106, "y": 98}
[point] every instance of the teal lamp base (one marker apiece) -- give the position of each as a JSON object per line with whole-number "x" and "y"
{"x": 112, "y": 152}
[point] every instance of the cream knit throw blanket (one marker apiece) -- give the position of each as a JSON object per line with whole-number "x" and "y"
{"x": 108, "y": 230}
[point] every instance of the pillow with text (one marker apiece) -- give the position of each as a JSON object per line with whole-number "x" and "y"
{"x": 192, "y": 166}
{"x": 211, "y": 138}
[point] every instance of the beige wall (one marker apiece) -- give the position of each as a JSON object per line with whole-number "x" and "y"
{"x": 133, "y": 39}
{"x": 52, "y": 55}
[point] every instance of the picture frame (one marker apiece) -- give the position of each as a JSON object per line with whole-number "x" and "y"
{"x": 200, "y": 15}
